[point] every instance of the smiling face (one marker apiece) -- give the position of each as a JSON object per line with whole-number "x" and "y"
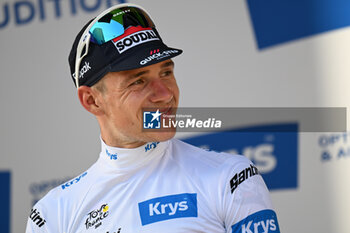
{"x": 119, "y": 106}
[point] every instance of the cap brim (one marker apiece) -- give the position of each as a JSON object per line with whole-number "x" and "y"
{"x": 142, "y": 56}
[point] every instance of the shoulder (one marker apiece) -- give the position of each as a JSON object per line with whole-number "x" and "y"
{"x": 229, "y": 173}
{"x": 59, "y": 202}
{"x": 233, "y": 182}
{"x": 72, "y": 189}
{"x": 208, "y": 159}
{"x": 210, "y": 168}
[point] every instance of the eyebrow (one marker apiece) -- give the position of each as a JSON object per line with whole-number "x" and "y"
{"x": 139, "y": 74}
{"x": 167, "y": 64}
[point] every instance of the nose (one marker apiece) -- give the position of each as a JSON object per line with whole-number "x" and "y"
{"x": 160, "y": 92}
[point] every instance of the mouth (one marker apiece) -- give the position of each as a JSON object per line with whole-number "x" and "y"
{"x": 167, "y": 111}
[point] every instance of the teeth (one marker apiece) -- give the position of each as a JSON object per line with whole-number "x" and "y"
{"x": 166, "y": 110}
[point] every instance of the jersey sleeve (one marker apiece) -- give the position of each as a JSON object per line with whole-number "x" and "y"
{"x": 43, "y": 218}
{"x": 246, "y": 201}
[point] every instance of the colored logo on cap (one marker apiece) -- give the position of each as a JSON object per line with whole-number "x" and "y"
{"x": 134, "y": 36}
{"x": 158, "y": 56}
{"x": 154, "y": 51}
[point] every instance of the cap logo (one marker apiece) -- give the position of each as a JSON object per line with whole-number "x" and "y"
{"x": 83, "y": 70}
{"x": 154, "y": 51}
{"x": 158, "y": 56}
{"x": 134, "y": 36}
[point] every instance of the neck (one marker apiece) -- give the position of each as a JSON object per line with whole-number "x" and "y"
{"x": 117, "y": 142}
{"x": 116, "y": 139}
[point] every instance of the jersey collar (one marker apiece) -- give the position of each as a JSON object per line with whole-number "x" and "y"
{"x": 124, "y": 159}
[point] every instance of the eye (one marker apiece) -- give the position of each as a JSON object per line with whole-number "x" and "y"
{"x": 167, "y": 73}
{"x": 137, "y": 82}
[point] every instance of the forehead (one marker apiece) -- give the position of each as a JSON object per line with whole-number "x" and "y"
{"x": 160, "y": 65}
{"x": 123, "y": 77}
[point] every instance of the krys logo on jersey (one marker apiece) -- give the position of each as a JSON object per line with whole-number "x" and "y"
{"x": 264, "y": 221}
{"x": 273, "y": 148}
{"x": 23, "y": 12}
{"x": 39, "y": 189}
{"x": 74, "y": 181}
{"x": 168, "y": 207}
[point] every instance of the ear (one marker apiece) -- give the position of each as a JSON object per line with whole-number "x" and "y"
{"x": 90, "y": 100}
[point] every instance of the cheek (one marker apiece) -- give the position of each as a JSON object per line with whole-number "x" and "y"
{"x": 176, "y": 91}
{"x": 113, "y": 109}
{"x": 111, "y": 106}
{"x": 132, "y": 107}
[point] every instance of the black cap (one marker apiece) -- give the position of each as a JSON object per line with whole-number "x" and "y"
{"x": 137, "y": 47}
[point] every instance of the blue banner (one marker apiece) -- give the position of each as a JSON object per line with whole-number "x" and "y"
{"x": 279, "y": 21}
{"x": 273, "y": 151}
{"x": 5, "y": 193}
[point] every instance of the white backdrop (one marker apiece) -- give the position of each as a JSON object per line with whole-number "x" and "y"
{"x": 47, "y": 137}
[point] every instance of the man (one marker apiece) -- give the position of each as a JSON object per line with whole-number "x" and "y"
{"x": 145, "y": 181}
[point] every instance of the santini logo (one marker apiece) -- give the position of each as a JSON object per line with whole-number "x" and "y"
{"x": 239, "y": 178}
{"x": 168, "y": 207}
{"x": 36, "y": 218}
{"x": 264, "y": 221}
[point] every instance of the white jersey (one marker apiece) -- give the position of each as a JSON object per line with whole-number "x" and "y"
{"x": 159, "y": 187}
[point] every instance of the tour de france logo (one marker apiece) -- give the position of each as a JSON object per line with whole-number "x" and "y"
{"x": 96, "y": 217}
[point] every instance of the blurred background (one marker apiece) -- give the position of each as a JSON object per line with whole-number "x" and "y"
{"x": 249, "y": 53}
